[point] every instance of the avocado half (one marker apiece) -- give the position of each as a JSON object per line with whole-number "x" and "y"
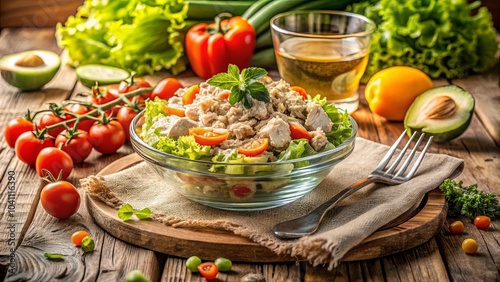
{"x": 30, "y": 70}
{"x": 443, "y": 112}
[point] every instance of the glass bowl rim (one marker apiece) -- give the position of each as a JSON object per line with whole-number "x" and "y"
{"x": 134, "y": 137}
{"x": 367, "y": 32}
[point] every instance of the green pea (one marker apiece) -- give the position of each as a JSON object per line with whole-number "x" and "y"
{"x": 135, "y": 276}
{"x": 223, "y": 264}
{"x": 192, "y": 263}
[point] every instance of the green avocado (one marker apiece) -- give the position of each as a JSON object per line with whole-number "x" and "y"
{"x": 443, "y": 112}
{"x": 30, "y": 70}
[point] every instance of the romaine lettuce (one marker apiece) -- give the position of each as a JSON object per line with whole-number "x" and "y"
{"x": 443, "y": 38}
{"x": 137, "y": 35}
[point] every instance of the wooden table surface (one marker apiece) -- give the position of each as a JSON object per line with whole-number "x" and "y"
{"x": 32, "y": 232}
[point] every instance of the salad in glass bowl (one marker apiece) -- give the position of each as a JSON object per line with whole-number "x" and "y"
{"x": 243, "y": 141}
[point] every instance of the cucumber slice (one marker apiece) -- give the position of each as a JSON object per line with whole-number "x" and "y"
{"x": 443, "y": 112}
{"x": 30, "y": 70}
{"x": 104, "y": 75}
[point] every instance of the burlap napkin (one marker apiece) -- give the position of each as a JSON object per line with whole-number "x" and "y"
{"x": 344, "y": 227}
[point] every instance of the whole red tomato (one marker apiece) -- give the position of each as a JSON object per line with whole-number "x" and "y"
{"x": 60, "y": 199}
{"x": 78, "y": 109}
{"x": 76, "y": 144}
{"x": 49, "y": 119}
{"x": 28, "y": 146}
{"x": 107, "y": 137}
{"x": 124, "y": 117}
{"x": 55, "y": 161}
{"x": 166, "y": 88}
{"x": 101, "y": 96}
{"x": 15, "y": 128}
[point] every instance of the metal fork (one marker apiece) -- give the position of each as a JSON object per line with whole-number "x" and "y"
{"x": 310, "y": 222}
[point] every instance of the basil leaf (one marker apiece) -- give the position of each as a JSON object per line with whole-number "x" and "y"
{"x": 234, "y": 71}
{"x": 236, "y": 95}
{"x": 125, "y": 212}
{"x": 143, "y": 214}
{"x": 88, "y": 244}
{"x": 259, "y": 92}
{"x": 53, "y": 256}
{"x": 224, "y": 81}
{"x": 250, "y": 75}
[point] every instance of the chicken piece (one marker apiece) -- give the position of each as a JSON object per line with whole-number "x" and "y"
{"x": 241, "y": 130}
{"x": 278, "y": 132}
{"x": 318, "y": 139}
{"x": 174, "y": 126}
{"x": 317, "y": 118}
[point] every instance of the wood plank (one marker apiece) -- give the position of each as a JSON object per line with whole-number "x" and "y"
{"x": 24, "y": 13}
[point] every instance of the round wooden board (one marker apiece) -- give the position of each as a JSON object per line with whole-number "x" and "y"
{"x": 208, "y": 244}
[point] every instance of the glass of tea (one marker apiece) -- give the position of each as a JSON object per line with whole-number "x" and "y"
{"x": 325, "y": 52}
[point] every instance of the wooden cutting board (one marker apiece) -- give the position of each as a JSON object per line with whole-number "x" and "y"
{"x": 417, "y": 227}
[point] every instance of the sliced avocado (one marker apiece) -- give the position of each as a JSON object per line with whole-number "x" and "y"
{"x": 103, "y": 75}
{"x": 443, "y": 112}
{"x": 30, "y": 70}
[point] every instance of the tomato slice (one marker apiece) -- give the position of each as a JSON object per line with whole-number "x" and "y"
{"x": 301, "y": 91}
{"x": 254, "y": 147}
{"x": 190, "y": 94}
{"x": 208, "y": 270}
{"x": 174, "y": 111}
{"x": 207, "y": 137}
{"x": 297, "y": 131}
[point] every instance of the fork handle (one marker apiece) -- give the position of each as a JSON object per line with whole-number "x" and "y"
{"x": 346, "y": 192}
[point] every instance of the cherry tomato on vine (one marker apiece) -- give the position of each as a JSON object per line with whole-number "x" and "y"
{"x": 457, "y": 227}
{"x": 101, "y": 96}
{"x": 125, "y": 87}
{"x": 28, "y": 146}
{"x": 78, "y": 109}
{"x": 78, "y": 236}
{"x": 60, "y": 199}
{"x": 76, "y": 144}
{"x": 482, "y": 222}
{"x": 166, "y": 88}
{"x": 55, "y": 161}
{"x": 124, "y": 117}
{"x": 107, "y": 137}
{"x": 49, "y": 119}
{"x": 297, "y": 131}
{"x": 208, "y": 270}
{"x": 207, "y": 137}
{"x": 15, "y": 128}
{"x": 254, "y": 147}
{"x": 301, "y": 91}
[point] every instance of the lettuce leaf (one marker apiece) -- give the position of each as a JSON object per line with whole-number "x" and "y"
{"x": 183, "y": 146}
{"x": 443, "y": 38}
{"x": 141, "y": 36}
{"x": 342, "y": 127}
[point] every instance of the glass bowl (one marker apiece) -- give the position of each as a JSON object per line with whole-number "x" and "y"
{"x": 246, "y": 187}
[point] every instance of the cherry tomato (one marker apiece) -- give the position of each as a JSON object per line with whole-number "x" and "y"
{"x": 100, "y": 96}
{"x": 77, "y": 146}
{"x": 457, "y": 227}
{"x": 241, "y": 192}
{"x": 207, "y": 137}
{"x": 55, "y": 161}
{"x": 469, "y": 246}
{"x": 49, "y": 119}
{"x": 124, "y": 117}
{"x": 208, "y": 270}
{"x": 254, "y": 147}
{"x": 174, "y": 111}
{"x": 78, "y": 236}
{"x": 125, "y": 87}
{"x": 297, "y": 131}
{"x": 482, "y": 222}
{"x": 224, "y": 95}
{"x": 15, "y": 128}
{"x": 301, "y": 91}
{"x": 78, "y": 109}
{"x": 107, "y": 138}
{"x": 60, "y": 199}
{"x": 28, "y": 146}
{"x": 166, "y": 88}
{"x": 190, "y": 94}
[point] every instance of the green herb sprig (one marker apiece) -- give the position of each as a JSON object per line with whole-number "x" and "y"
{"x": 469, "y": 201}
{"x": 126, "y": 211}
{"x": 243, "y": 86}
